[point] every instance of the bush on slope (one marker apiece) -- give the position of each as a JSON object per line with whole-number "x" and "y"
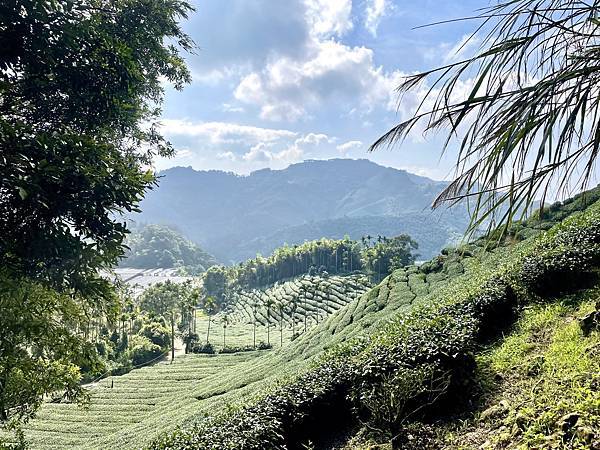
{"x": 437, "y": 339}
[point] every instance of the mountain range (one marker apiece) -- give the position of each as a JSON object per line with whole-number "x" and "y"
{"x": 234, "y": 217}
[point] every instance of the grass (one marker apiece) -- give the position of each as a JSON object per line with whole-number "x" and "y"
{"x": 545, "y": 371}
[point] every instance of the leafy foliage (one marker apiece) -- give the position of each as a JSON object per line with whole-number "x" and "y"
{"x": 528, "y": 122}
{"x": 324, "y": 256}
{"x": 156, "y": 246}
{"x": 79, "y": 84}
{"x": 33, "y": 364}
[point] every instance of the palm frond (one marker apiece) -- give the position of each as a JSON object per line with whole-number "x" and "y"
{"x": 529, "y": 125}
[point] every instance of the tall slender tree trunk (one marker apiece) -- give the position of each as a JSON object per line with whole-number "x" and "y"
{"x": 281, "y": 329}
{"x": 305, "y": 313}
{"x": 172, "y": 337}
{"x": 208, "y": 332}
{"x": 268, "y": 326}
{"x": 254, "y": 331}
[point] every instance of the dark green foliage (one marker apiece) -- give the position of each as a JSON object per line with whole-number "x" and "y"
{"x": 247, "y": 348}
{"x": 143, "y": 350}
{"x": 40, "y": 350}
{"x": 74, "y": 149}
{"x": 322, "y": 257}
{"x": 80, "y": 86}
{"x": 157, "y": 334}
{"x": 204, "y": 348}
{"x": 387, "y": 255}
{"x": 432, "y": 345}
{"x": 156, "y": 246}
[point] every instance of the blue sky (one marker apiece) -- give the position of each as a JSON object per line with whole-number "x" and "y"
{"x": 277, "y": 82}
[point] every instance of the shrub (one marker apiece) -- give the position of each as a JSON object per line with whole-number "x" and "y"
{"x": 157, "y": 333}
{"x": 206, "y": 348}
{"x": 143, "y": 350}
{"x": 264, "y": 346}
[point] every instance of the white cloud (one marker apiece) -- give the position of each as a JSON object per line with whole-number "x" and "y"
{"x": 328, "y": 18}
{"x": 183, "y": 153}
{"x": 314, "y": 139}
{"x": 375, "y": 11}
{"x": 260, "y": 153}
{"x": 347, "y": 146}
{"x": 223, "y": 132}
{"x": 232, "y": 108}
{"x": 227, "y": 156}
{"x": 286, "y": 89}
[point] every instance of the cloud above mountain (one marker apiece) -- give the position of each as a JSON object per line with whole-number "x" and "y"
{"x": 268, "y": 75}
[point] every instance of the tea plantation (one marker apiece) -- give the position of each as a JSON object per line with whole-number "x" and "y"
{"x": 413, "y": 338}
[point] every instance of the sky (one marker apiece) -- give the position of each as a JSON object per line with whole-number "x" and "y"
{"x": 278, "y": 82}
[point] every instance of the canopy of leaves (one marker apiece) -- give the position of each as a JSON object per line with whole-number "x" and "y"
{"x": 79, "y": 82}
{"x": 80, "y": 85}
{"x": 168, "y": 299}
{"x": 41, "y": 350}
{"x": 387, "y": 255}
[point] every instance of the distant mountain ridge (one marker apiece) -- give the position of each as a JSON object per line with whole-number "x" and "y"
{"x": 234, "y": 217}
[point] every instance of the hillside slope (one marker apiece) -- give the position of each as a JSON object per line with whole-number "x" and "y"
{"x": 418, "y": 366}
{"x": 156, "y": 246}
{"x": 199, "y": 385}
{"x": 234, "y": 217}
{"x": 422, "y": 324}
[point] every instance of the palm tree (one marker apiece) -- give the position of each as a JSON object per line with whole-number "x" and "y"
{"x": 293, "y": 308}
{"x": 225, "y": 322}
{"x": 255, "y": 306}
{"x": 528, "y": 123}
{"x": 303, "y": 292}
{"x": 210, "y": 305}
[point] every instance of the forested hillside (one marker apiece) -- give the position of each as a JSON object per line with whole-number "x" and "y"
{"x": 235, "y": 217}
{"x": 157, "y": 246}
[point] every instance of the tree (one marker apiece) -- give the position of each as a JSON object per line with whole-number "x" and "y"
{"x": 303, "y": 291}
{"x": 158, "y": 246}
{"x": 215, "y": 283}
{"x": 529, "y": 120}
{"x": 280, "y": 307}
{"x": 168, "y": 299}
{"x": 210, "y": 306}
{"x": 255, "y": 306}
{"x": 34, "y": 363}
{"x": 80, "y": 87}
{"x": 324, "y": 287}
{"x": 388, "y": 255}
{"x": 225, "y": 322}
{"x": 293, "y": 308}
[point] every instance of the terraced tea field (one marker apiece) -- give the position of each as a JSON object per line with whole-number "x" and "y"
{"x": 310, "y": 298}
{"x": 131, "y": 410}
{"x": 125, "y": 407}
